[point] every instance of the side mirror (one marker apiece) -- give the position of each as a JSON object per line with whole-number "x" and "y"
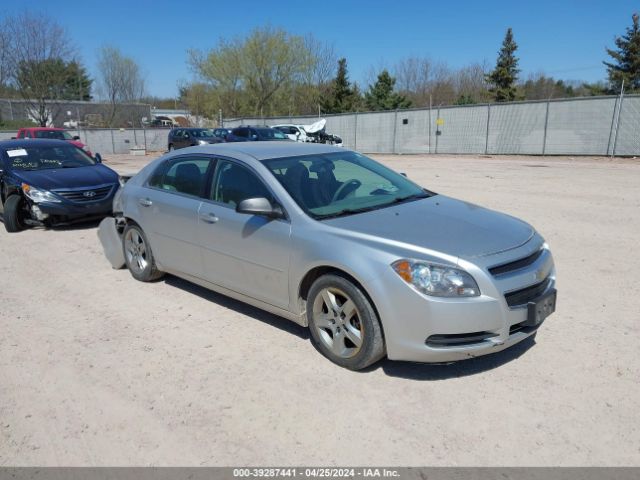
{"x": 76, "y": 137}
{"x": 259, "y": 206}
{"x": 98, "y": 158}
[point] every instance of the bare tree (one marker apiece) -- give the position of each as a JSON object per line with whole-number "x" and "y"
{"x": 120, "y": 79}
{"x": 35, "y": 54}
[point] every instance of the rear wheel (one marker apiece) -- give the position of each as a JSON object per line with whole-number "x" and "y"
{"x": 343, "y": 324}
{"x": 14, "y": 214}
{"x": 138, "y": 256}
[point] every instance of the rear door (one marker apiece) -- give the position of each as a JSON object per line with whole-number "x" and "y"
{"x": 169, "y": 212}
{"x": 245, "y": 253}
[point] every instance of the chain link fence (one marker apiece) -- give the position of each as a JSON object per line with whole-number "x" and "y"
{"x": 578, "y": 126}
{"x": 581, "y": 126}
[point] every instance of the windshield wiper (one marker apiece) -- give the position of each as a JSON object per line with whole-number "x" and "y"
{"x": 349, "y": 211}
{"x": 415, "y": 196}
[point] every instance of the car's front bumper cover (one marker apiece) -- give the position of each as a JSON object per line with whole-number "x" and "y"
{"x": 431, "y": 329}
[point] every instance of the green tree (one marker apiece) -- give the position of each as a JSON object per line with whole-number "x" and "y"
{"x": 626, "y": 65}
{"x": 342, "y": 97}
{"x": 42, "y": 83}
{"x": 78, "y": 83}
{"x": 381, "y": 95}
{"x": 503, "y": 78}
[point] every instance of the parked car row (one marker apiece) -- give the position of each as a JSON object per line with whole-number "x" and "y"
{"x": 189, "y": 137}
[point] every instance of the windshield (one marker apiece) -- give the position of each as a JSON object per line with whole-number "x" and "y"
{"x": 270, "y": 134}
{"x": 54, "y": 134}
{"x": 47, "y": 157}
{"x": 204, "y": 133}
{"x": 337, "y": 184}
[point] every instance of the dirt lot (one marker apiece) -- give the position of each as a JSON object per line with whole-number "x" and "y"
{"x": 98, "y": 369}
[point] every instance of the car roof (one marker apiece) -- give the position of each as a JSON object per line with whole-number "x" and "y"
{"x": 43, "y": 128}
{"x": 7, "y": 144}
{"x": 267, "y": 150}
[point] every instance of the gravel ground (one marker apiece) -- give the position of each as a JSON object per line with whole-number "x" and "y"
{"x": 98, "y": 369}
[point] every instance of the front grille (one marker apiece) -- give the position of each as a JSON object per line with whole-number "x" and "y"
{"x": 525, "y": 295}
{"x": 515, "y": 265}
{"x": 85, "y": 195}
{"x": 458, "y": 339}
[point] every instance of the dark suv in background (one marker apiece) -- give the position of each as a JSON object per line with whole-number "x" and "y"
{"x": 250, "y": 133}
{"x": 188, "y": 137}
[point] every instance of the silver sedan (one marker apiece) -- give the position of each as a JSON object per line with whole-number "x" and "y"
{"x": 372, "y": 263}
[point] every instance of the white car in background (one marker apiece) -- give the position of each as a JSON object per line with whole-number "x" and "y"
{"x": 314, "y": 133}
{"x": 296, "y": 133}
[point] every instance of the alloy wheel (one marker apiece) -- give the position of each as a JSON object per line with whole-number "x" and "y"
{"x": 136, "y": 251}
{"x": 337, "y": 322}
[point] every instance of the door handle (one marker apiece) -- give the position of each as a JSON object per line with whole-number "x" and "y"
{"x": 145, "y": 202}
{"x": 208, "y": 217}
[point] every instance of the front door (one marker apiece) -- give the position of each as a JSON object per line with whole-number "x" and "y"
{"x": 248, "y": 254}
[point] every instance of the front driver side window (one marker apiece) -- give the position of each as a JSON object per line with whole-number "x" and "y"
{"x": 233, "y": 183}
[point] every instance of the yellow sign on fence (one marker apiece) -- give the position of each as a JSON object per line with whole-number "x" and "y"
{"x": 439, "y": 121}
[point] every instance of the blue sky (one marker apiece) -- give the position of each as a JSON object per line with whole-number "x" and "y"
{"x": 565, "y": 39}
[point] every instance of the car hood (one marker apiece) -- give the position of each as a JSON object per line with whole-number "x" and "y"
{"x": 68, "y": 177}
{"x": 443, "y": 224}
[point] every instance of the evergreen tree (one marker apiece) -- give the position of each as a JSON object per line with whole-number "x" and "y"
{"x": 627, "y": 59}
{"x": 381, "y": 96}
{"x": 341, "y": 96}
{"x": 504, "y": 77}
{"x": 78, "y": 84}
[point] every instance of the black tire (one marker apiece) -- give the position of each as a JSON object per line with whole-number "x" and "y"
{"x": 364, "y": 321}
{"x": 140, "y": 262}
{"x": 14, "y": 214}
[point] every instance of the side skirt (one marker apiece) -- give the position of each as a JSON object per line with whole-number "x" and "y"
{"x": 299, "y": 319}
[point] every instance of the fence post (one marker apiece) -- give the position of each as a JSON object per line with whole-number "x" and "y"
{"x": 486, "y": 139}
{"x": 355, "y": 133}
{"x": 395, "y": 129}
{"x": 144, "y": 134}
{"x": 113, "y": 144}
{"x": 11, "y": 110}
{"x": 613, "y": 121}
{"x": 546, "y": 123}
{"x": 615, "y": 137}
{"x": 430, "y": 120}
{"x": 437, "y": 129}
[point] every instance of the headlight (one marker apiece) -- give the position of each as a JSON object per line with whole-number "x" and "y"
{"x": 436, "y": 280}
{"x": 203, "y": 142}
{"x": 38, "y": 195}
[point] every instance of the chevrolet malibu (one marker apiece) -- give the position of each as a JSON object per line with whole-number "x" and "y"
{"x": 372, "y": 263}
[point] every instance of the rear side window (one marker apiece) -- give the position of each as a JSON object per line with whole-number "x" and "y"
{"x": 21, "y": 134}
{"x": 186, "y": 175}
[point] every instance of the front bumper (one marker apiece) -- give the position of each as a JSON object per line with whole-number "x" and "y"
{"x": 430, "y": 329}
{"x": 76, "y": 211}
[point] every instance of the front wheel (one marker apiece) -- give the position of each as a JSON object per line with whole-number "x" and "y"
{"x": 14, "y": 214}
{"x": 138, "y": 256}
{"x": 343, "y": 324}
